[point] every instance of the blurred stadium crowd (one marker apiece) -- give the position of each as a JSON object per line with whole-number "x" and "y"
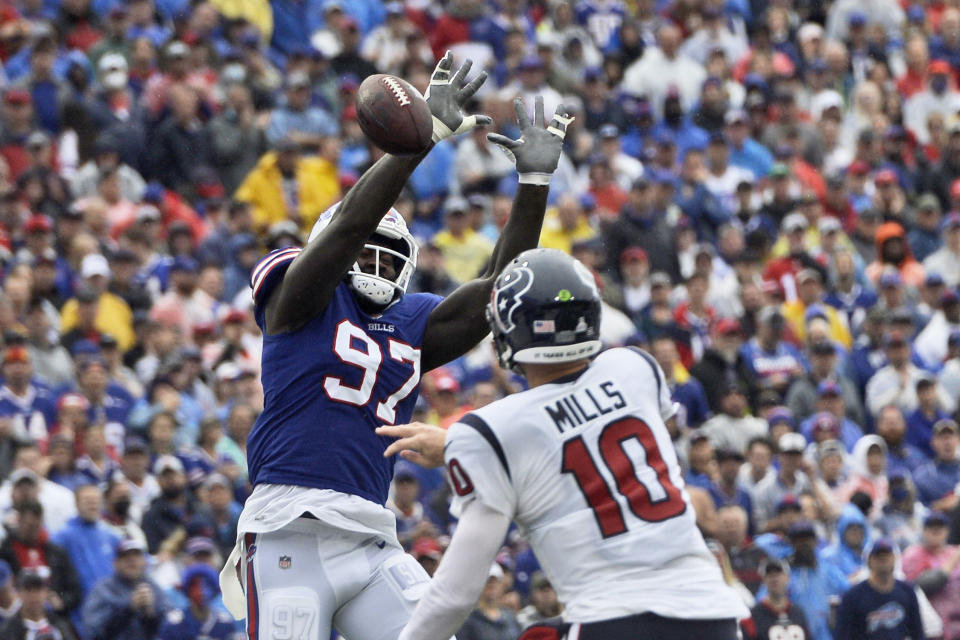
{"x": 767, "y": 192}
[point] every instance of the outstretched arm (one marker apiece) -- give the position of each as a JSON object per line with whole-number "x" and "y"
{"x": 458, "y": 323}
{"x": 309, "y": 283}
{"x": 462, "y": 573}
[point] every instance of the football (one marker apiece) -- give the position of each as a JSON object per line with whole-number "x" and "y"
{"x": 393, "y": 115}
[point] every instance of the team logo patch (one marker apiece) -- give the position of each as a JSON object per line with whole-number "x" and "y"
{"x": 508, "y": 298}
{"x": 889, "y": 616}
{"x": 285, "y": 562}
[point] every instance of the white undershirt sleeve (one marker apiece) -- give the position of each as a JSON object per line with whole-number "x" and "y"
{"x": 461, "y": 576}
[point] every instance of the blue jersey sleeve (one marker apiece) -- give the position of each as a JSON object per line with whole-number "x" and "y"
{"x": 267, "y": 274}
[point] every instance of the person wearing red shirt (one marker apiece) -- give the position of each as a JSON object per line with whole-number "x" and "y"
{"x": 917, "y": 55}
{"x": 696, "y": 317}
{"x": 609, "y": 197}
{"x": 453, "y": 26}
{"x": 28, "y": 546}
{"x": 783, "y": 271}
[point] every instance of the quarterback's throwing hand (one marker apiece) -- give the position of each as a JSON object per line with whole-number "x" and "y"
{"x": 537, "y": 152}
{"x": 417, "y": 442}
{"x": 446, "y": 96}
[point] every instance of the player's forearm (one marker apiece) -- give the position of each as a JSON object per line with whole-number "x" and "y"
{"x": 359, "y": 214}
{"x": 461, "y": 576}
{"x": 522, "y": 230}
{"x": 375, "y": 192}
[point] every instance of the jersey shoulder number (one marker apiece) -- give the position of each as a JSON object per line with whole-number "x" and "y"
{"x": 477, "y": 466}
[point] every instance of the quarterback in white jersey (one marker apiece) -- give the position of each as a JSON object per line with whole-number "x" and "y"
{"x": 584, "y": 464}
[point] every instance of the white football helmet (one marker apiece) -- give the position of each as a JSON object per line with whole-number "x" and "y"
{"x": 397, "y": 242}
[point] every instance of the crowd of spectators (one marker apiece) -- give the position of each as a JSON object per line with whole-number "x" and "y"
{"x": 767, "y": 192}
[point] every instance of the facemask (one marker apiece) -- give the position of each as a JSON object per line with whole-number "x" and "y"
{"x": 938, "y": 83}
{"x": 122, "y": 507}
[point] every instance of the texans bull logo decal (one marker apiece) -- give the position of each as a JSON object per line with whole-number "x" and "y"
{"x": 507, "y": 298}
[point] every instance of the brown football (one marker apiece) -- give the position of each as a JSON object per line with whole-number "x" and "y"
{"x": 393, "y": 115}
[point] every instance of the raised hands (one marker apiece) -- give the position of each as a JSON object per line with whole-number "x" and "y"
{"x": 536, "y": 152}
{"x": 446, "y": 96}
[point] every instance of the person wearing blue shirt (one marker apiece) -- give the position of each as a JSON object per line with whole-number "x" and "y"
{"x": 88, "y": 540}
{"x": 745, "y": 152}
{"x": 925, "y": 238}
{"x": 156, "y": 34}
{"x": 494, "y": 30}
{"x": 367, "y": 13}
{"x": 47, "y": 92}
{"x": 846, "y": 553}
{"x": 881, "y": 607}
{"x": 901, "y": 455}
{"x": 602, "y": 18}
{"x": 689, "y": 394}
{"x": 937, "y": 480}
{"x": 699, "y": 457}
{"x": 777, "y": 543}
{"x": 854, "y": 302}
{"x": 867, "y": 356}
{"x": 771, "y": 362}
{"x": 686, "y": 135}
{"x": 198, "y": 619}
{"x": 941, "y": 49}
{"x": 920, "y": 421}
{"x": 431, "y": 178}
{"x": 29, "y": 404}
{"x": 221, "y": 510}
{"x": 297, "y": 119}
{"x": 842, "y": 429}
{"x": 294, "y": 21}
{"x": 631, "y": 114}
{"x": 727, "y": 490}
{"x": 812, "y": 583}
{"x": 126, "y": 605}
{"x": 108, "y": 403}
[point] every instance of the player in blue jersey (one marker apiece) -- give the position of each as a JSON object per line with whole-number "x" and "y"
{"x": 344, "y": 349}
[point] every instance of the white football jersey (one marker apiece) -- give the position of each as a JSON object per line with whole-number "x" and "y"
{"x": 585, "y": 466}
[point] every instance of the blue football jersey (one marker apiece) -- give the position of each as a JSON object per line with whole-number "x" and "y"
{"x": 33, "y": 415}
{"x": 330, "y": 384}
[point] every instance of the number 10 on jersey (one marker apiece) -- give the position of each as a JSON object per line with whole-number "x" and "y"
{"x": 668, "y": 501}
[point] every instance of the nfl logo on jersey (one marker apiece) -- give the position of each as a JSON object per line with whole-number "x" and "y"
{"x": 285, "y": 562}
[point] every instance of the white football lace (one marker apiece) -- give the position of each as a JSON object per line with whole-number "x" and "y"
{"x": 398, "y": 91}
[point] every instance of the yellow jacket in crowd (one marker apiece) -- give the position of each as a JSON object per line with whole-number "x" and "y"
{"x": 113, "y": 317}
{"x": 794, "y": 312}
{"x": 256, "y": 12}
{"x": 317, "y": 189}
{"x": 554, "y": 236}
{"x": 465, "y": 256}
